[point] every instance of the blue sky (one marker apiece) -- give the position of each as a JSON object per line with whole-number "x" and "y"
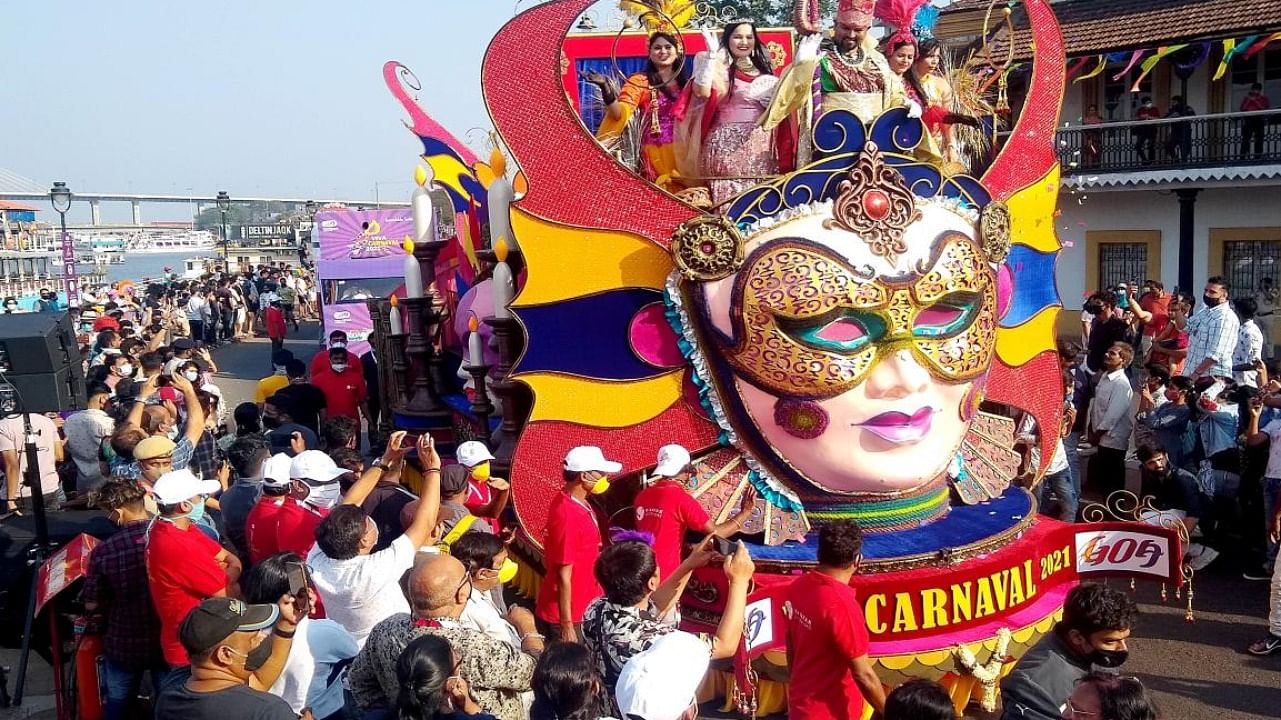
{"x": 279, "y": 97}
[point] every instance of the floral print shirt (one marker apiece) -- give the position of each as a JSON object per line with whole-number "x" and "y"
{"x": 496, "y": 672}
{"x": 616, "y": 633}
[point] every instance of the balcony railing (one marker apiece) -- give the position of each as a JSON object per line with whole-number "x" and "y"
{"x": 1200, "y": 141}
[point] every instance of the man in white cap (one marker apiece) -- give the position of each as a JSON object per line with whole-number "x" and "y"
{"x": 573, "y": 544}
{"x": 260, "y": 525}
{"x": 315, "y": 491}
{"x": 184, "y": 565}
{"x": 487, "y": 496}
{"x": 665, "y": 509}
{"x": 660, "y": 683}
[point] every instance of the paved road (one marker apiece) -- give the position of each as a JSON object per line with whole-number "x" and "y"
{"x": 241, "y": 365}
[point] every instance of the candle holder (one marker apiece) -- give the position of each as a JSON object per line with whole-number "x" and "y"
{"x": 399, "y": 366}
{"x": 515, "y": 259}
{"x": 481, "y": 407}
{"x": 423, "y": 395}
{"x": 513, "y": 395}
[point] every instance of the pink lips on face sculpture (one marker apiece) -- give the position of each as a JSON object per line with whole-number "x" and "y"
{"x": 900, "y": 428}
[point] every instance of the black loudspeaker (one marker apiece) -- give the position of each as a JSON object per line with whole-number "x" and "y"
{"x": 39, "y": 356}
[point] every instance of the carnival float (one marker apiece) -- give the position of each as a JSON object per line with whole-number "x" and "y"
{"x": 863, "y": 333}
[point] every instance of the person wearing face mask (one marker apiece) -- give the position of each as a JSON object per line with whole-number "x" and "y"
{"x": 237, "y": 651}
{"x": 346, "y": 394}
{"x": 281, "y": 429}
{"x": 1212, "y": 334}
{"x": 314, "y": 493}
{"x": 439, "y": 588}
{"x": 184, "y": 565}
{"x": 429, "y": 689}
{"x": 121, "y": 368}
{"x": 276, "y": 328}
{"x": 85, "y": 432}
{"x": 260, "y": 523}
{"x": 117, "y": 593}
{"x": 490, "y": 567}
{"x": 1093, "y": 632}
{"x": 573, "y": 544}
{"x": 176, "y": 451}
{"x": 312, "y": 676}
{"x": 320, "y": 361}
{"x": 487, "y": 496}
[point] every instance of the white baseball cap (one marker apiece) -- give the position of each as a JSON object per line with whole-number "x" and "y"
{"x": 275, "y": 470}
{"x": 660, "y": 683}
{"x": 182, "y": 485}
{"x": 316, "y": 466}
{"x": 589, "y": 458}
{"x": 672, "y": 461}
{"x": 472, "y": 453}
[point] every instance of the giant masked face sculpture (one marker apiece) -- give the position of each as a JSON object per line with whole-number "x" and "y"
{"x": 843, "y": 322}
{"x": 846, "y": 338}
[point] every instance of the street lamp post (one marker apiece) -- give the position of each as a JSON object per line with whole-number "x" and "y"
{"x": 60, "y": 198}
{"x": 224, "y": 204}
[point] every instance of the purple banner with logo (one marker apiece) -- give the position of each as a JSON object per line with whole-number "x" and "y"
{"x": 353, "y": 319}
{"x": 362, "y": 243}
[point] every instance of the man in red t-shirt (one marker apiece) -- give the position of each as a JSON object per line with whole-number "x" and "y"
{"x": 320, "y": 361}
{"x": 343, "y": 386}
{"x": 260, "y": 524}
{"x": 666, "y": 510}
{"x": 183, "y": 564}
{"x": 1154, "y": 312}
{"x": 573, "y": 544}
{"x": 315, "y": 489}
{"x": 827, "y": 636}
{"x": 276, "y": 329}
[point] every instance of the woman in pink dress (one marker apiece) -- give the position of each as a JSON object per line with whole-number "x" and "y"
{"x": 735, "y": 84}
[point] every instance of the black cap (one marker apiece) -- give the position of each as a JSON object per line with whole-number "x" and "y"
{"x": 281, "y": 357}
{"x": 215, "y": 619}
{"x": 184, "y": 343}
{"x": 453, "y": 480}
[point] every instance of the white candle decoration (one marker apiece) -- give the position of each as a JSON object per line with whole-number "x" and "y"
{"x": 475, "y": 353}
{"x": 397, "y": 326}
{"x": 413, "y": 273}
{"x": 504, "y": 287}
{"x": 499, "y": 199}
{"x": 423, "y": 211}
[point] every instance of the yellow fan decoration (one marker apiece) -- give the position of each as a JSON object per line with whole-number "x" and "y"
{"x": 660, "y": 14}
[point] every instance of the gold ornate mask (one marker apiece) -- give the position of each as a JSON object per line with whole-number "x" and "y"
{"x": 810, "y": 326}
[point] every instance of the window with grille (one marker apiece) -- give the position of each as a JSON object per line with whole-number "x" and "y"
{"x": 1247, "y": 262}
{"x": 1122, "y": 263}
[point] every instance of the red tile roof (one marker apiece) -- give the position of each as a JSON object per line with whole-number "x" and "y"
{"x": 11, "y": 205}
{"x": 1092, "y": 27}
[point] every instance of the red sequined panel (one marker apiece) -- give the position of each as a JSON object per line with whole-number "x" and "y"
{"x": 572, "y": 180}
{"x": 1029, "y": 153}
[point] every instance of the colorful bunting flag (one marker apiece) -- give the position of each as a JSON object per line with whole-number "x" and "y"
{"x": 1098, "y": 70}
{"x": 1134, "y": 57}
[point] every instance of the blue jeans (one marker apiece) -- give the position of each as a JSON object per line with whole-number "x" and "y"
{"x": 1271, "y": 486}
{"x": 120, "y": 686}
{"x": 1058, "y": 495}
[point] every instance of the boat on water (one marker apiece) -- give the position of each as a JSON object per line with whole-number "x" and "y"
{"x": 198, "y": 241}
{"x": 105, "y": 244}
{"x": 23, "y": 275}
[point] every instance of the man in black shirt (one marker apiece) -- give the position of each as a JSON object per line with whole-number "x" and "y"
{"x": 222, "y": 637}
{"x": 1107, "y": 329}
{"x": 304, "y": 402}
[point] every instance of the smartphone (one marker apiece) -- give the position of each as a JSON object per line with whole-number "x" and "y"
{"x": 723, "y": 546}
{"x": 297, "y": 575}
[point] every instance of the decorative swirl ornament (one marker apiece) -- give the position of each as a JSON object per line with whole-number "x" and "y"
{"x": 707, "y": 248}
{"x": 875, "y": 204}
{"x": 994, "y": 227}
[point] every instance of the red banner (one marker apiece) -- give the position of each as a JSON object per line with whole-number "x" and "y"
{"x": 64, "y": 567}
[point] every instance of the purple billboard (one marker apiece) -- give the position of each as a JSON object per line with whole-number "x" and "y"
{"x": 362, "y": 243}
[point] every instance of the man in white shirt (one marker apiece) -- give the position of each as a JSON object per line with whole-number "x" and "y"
{"x": 1249, "y": 349}
{"x": 360, "y": 587}
{"x": 1109, "y": 423}
{"x": 485, "y": 557}
{"x": 85, "y": 432}
{"x": 1212, "y": 334}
